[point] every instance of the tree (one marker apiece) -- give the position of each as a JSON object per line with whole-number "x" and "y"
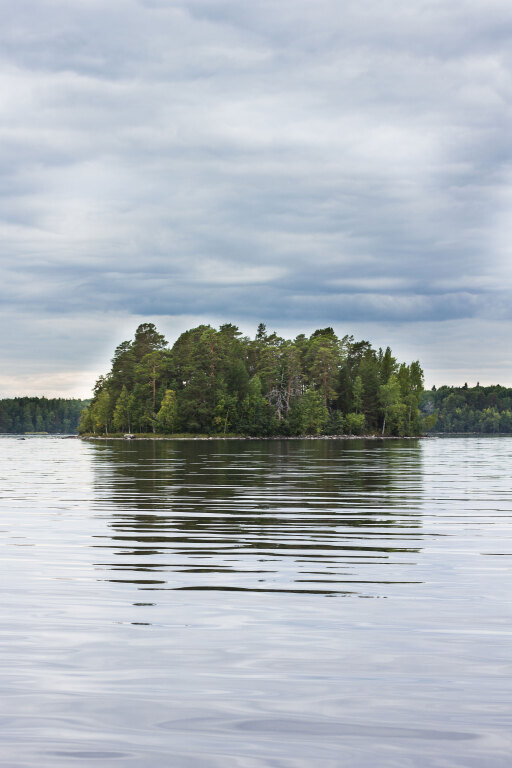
{"x": 123, "y": 369}
{"x": 101, "y": 412}
{"x": 368, "y": 369}
{"x": 225, "y": 412}
{"x": 39, "y": 421}
{"x": 357, "y": 394}
{"x": 389, "y": 395}
{"x": 293, "y": 374}
{"x": 387, "y": 365}
{"x": 429, "y": 421}
{"x": 123, "y": 411}
{"x": 410, "y": 379}
{"x": 354, "y": 423}
{"x": 490, "y": 420}
{"x": 267, "y": 364}
{"x": 148, "y": 373}
{"x": 237, "y": 378}
{"x": 323, "y": 360}
{"x": 314, "y": 414}
{"x": 261, "y": 333}
{"x": 147, "y": 340}
{"x": 168, "y": 413}
{"x": 254, "y": 410}
{"x": 86, "y": 423}
{"x": 28, "y": 425}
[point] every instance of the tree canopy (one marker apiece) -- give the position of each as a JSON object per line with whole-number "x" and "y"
{"x": 466, "y": 409}
{"x": 217, "y": 381}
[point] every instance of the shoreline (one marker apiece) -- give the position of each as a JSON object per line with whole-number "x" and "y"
{"x": 247, "y": 437}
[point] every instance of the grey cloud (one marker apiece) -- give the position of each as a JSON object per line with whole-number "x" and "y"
{"x": 309, "y": 162}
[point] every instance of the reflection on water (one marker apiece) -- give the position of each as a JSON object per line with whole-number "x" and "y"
{"x": 200, "y": 604}
{"x": 308, "y": 516}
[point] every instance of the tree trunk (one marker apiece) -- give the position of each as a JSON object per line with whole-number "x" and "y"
{"x": 288, "y": 393}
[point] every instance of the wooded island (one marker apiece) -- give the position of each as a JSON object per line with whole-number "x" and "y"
{"x": 221, "y": 382}
{"x": 40, "y": 415}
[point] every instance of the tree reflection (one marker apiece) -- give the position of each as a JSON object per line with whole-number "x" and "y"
{"x": 308, "y": 515}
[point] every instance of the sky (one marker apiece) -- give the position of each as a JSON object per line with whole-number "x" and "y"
{"x": 301, "y": 163}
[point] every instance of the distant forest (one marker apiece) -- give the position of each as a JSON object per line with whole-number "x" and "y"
{"x": 19, "y": 415}
{"x": 221, "y": 382}
{"x": 469, "y": 409}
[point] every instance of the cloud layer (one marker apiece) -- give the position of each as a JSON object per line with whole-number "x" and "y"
{"x": 298, "y": 163}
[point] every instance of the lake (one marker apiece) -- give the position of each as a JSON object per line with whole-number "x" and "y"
{"x": 240, "y": 604}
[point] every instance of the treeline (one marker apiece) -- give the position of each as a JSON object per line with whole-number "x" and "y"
{"x": 469, "y": 409}
{"x": 218, "y": 381}
{"x": 19, "y": 415}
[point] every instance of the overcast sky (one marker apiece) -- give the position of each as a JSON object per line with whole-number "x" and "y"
{"x": 298, "y": 162}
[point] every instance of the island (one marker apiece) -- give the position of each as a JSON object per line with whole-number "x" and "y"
{"x": 219, "y": 382}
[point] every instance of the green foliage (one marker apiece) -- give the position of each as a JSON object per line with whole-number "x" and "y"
{"x": 357, "y": 394}
{"x": 123, "y": 411}
{"x": 323, "y": 362}
{"x": 215, "y": 381}
{"x": 429, "y": 422}
{"x": 393, "y": 406}
{"x": 387, "y": 365}
{"x": 101, "y": 411}
{"x": 355, "y": 423}
{"x": 314, "y": 413}
{"x": 486, "y": 410}
{"x": 336, "y": 423}
{"x": 225, "y": 412}
{"x": 168, "y": 413}
{"x": 147, "y": 340}
{"x": 40, "y": 414}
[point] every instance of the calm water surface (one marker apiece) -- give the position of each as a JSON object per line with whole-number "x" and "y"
{"x": 231, "y": 604}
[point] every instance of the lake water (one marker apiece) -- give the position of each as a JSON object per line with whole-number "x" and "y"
{"x": 231, "y": 604}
